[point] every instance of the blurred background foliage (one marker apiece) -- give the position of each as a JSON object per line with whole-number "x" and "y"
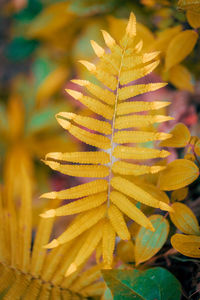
{"x": 41, "y": 42}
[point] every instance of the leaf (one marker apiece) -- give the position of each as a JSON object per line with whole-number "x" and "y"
{"x": 181, "y": 78}
{"x": 147, "y": 285}
{"x": 125, "y": 251}
{"x": 52, "y": 83}
{"x": 193, "y": 18}
{"x": 179, "y": 47}
{"x": 197, "y": 148}
{"x": 91, "y": 7}
{"x": 180, "y": 137}
{"x": 30, "y": 11}
{"x": 50, "y": 20}
{"x": 188, "y": 245}
{"x": 164, "y": 38}
{"x": 20, "y": 48}
{"x": 148, "y": 243}
{"x": 193, "y": 5}
{"x": 178, "y": 174}
{"x": 180, "y": 194}
{"x": 184, "y": 219}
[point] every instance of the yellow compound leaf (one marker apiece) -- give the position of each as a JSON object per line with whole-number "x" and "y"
{"x": 139, "y": 106}
{"x": 103, "y": 94}
{"x": 79, "y": 191}
{"x": 179, "y": 47}
{"x": 83, "y": 222}
{"x": 180, "y": 137}
{"x": 108, "y": 244}
{"x": 148, "y": 243}
{"x": 127, "y": 207}
{"x": 178, "y": 174}
{"x": 79, "y": 170}
{"x": 76, "y": 207}
{"x": 138, "y": 193}
{"x": 117, "y": 220}
{"x": 126, "y": 152}
{"x": 131, "y": 75}
{"x": 124, "y": 136}
{"x": 181, "y": 78}
{"x": 184, "y": 219}
{"x": 88, "y": 122}
{"x": 193, "y": 18}
{"x": 180, "y": 194}
{"x": 139, "y": 120}
{"x": 125, "y": 168}
{"x": 92, "y": 239}
{"x": 87, "y": 137}
{"x": 137, "y": 89}
{"x": 188, "y": 245}
{"x": 88, "y": 157}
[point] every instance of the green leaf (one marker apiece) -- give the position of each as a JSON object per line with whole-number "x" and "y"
{"x": 20, "y": 48}
{"x": 41, "y": 68}
{"x": 30, "y": 11}
{"x": 147, "y": 242}
{"x": 147, "y": 285}
{"x": 44, "y": 119}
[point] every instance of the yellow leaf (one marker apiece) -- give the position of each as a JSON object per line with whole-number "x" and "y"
{"x": 148, "y": 243}
{"x": 197, "y": 148}
{"x": 125, "y": 251}
{"x": 164, "y": 38}
{"x": 180, "y": 194}
{"x": 51, "y": 84}
{"x": 193, "y": 18}
{"x": 184, "y": 219}
{"x": 181, "y": 78}
{"x": 188, "y": 245}
{"x": 189, "y": 4}
{"x": 178, "y": 174}
{"x": 180, "y": 137}
{"x": 179, "y": 47}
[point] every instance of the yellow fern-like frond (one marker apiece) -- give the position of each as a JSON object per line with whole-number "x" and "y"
{"x": 39, "y": 274}
{"x": 102, "y": 203}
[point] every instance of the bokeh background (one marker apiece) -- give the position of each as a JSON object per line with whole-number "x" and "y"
{"x": 40, "y": 44}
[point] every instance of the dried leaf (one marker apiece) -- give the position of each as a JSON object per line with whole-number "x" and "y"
{"x": 178, "y": 174}
{"x": 148, "y": 243}
{"x": 184, "y": 219}
{"x": 188, "y": 245}
{"x": 179, "y": 47}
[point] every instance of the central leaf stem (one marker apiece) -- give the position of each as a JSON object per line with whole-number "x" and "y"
{"x": 113, "y": 130}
